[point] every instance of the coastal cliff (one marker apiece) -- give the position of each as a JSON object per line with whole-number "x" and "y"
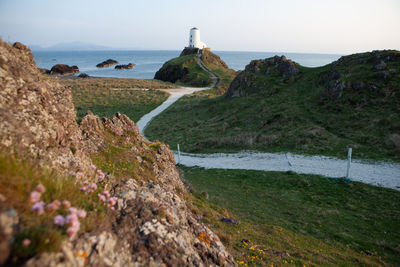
{"x": 123, "y": 202}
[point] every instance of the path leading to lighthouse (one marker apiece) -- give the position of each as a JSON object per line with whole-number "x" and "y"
{"x": 175, "y": 94}
{"x": 376, "y": 173}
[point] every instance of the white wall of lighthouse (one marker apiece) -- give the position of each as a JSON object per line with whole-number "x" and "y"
{"x": 194, "y": 39}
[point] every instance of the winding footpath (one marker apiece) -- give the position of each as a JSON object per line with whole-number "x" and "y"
{"x": 376, "y": 173}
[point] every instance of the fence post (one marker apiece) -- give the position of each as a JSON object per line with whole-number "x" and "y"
{"x": 348, "y": 163}
{"x": 179, "y": 155}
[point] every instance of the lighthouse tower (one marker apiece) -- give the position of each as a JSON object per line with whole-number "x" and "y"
{"x": 194, "y": 39}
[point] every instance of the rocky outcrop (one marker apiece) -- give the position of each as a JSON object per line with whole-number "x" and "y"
{"x": 347, "y": 75}
{"x": 171, "y": 73}
{"x": 208, "y": 57}
{"x": 83, "y": 75}
{"x": 251, "y": 79}
{"x": 189, "y": 51}
{"x": 107, "y": 63}
{"x": 125, "y": 67}
{"x": 152, "y": 224}
{"x": 37, "y": 115}
{"x": 63, "y": 69}
{"x": 186, "y": 70}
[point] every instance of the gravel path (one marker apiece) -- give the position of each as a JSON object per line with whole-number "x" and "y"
{"x": 375, "y": 173}
{"x": 175, "y": 94}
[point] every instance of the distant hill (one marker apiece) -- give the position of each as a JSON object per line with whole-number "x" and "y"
{"x": 71, "y": 46}
{"x": 277, "y": 105}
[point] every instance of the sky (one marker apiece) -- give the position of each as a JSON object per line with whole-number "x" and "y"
{"x": 303, "y": 26}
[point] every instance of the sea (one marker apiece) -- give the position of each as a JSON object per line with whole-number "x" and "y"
{"x": 148, "y": 62}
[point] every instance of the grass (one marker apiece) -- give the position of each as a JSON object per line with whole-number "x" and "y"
{"x": 289, "y": 116}
{"x": 195, "y": 75}
{"x": 106, "y": 96}
{"x": 299, "y": 219}
{"x": 121, "y": 158}
{"x": 124, "y": 158}
{"x": 17, "y": 180}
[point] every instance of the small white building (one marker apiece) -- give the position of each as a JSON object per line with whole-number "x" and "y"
{"x": 194, "y": 39}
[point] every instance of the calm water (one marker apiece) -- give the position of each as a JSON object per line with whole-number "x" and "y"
{"x": 148, "y": 62}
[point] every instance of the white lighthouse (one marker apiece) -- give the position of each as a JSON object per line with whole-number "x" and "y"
{"x": 194, "y": 39}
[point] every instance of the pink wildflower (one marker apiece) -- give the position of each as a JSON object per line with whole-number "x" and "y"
{"x": 93, "y": 186}
{"x": 72, "y": 231}
{"x": 112, "y": 208}
{"x": 38, "y": 207}
{"x": 81, "y": 214}
{"x": 72, "y": 220}
{"x": 72, "y": 210}
{"x": 93, "y": 167}
{"x": 83, "y": 188}
{"x": 26, "y": 242}
{"x": 102, "y": 197}
{"x": 86, "y": 182}
{"x": 106, "y": 193}
{"x": 112, "y": 201}
{"x": 55, "y": 205}
{"x": 35, "y": 196}
{"x": 66, "y": 204}
{"x": 40, "y": 188}
{"x": 59, "y": 220}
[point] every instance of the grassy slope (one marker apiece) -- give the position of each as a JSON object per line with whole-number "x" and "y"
{"x": 300, "y": 219}
{"x": 99, "y": 96}
{"x": 19, "y": 178}
{"x": 196, "y": 75}
{"x": 287, "y": 116}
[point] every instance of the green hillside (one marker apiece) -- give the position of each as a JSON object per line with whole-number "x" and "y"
{"x": 353, "y": 102}
{"x": 185, "y": 70}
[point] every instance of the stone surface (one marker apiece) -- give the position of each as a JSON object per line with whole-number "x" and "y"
{"x": 230, "y": 221}
{"x": 83, "y": 75}
{"x": 38, "y": 119}
{"x": 380, "y": 66}
{"x": 189, "y": 51}
{"x": 247, "y": 82}
{"x": 335, "y": 83}
{"x": 107, "y": 63}
{"x": 125, "y": 67}
{"x": 8, "y": 223}
{"x": 63, "y": 69}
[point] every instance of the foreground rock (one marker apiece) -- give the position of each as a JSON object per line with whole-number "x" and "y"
{"x": 251, "y": 80}
{"x": 37, "y": 116}
{"x": 152, "y": 225}
{"x": 63, "y": 69}
{"x": 107, "y": 63}
{"x": 125, "y": 67}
